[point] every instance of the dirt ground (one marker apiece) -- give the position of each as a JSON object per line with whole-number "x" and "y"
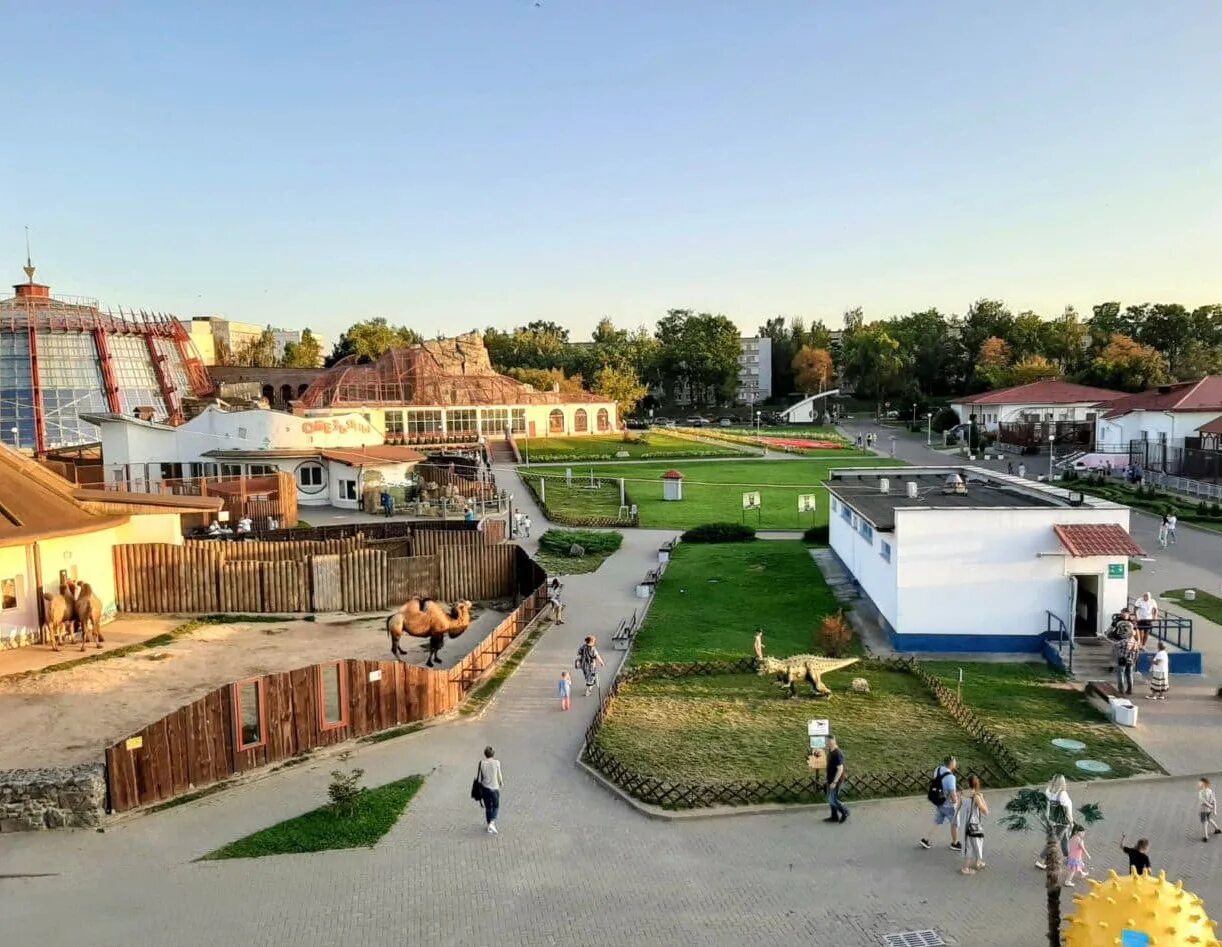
{"x": 70, "y": 716}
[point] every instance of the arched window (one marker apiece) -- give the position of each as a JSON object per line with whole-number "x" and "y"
{"x": 286, "y": 394}
{"x": 301, "y": 389}
{"x": 269, "y": 393}
{"x": 581, "y": 422}
{"x": 604, "y": 419}
{"x": 555, "y": 422}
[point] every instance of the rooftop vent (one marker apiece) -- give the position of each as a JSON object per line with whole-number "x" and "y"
{"x": 954, "y": 484}
{"x": 884, "y": 485}
{"x": 912, "y": 490}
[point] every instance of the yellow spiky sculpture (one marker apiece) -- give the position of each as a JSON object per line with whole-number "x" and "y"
{"x": 1165, "y": 912}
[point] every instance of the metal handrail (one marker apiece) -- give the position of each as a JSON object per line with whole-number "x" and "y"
{"x": 1060, "y": 634}
{"x": 1169, "y": 623}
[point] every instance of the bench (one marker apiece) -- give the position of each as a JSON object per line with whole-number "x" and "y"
{"x": 645, "y": 587}
{"x": 624, "y": 634}
{"x": 664, "y": 552}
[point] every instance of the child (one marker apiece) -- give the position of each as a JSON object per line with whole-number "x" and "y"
{"x": 1208, "y": 809}
{"x": 1077, "y": 855}
{"x": 1160, "y": 679}
{"x": 566, "y": 689}
{"x": 1163, "y": 529}
{"x": 1139, "y": 855}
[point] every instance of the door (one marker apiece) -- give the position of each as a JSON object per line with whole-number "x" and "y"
{"x": 531, "y": 432}
{"x": 1086, "y": 617}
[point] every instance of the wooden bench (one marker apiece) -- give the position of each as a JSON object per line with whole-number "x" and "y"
{"x": 624, "y": 634}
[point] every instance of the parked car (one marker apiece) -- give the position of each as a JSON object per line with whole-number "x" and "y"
{"x": 669, "y": 422}
{"x": 726, "y": 422}
{"x": 695, "y": 421}
{"x": 892, "y": 415}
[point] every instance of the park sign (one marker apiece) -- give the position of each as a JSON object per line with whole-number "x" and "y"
{"x": 751, "y": 501}
{"x": 806, "y": 502}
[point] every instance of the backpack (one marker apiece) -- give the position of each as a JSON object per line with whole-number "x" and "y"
{"x": 937, "y": 792}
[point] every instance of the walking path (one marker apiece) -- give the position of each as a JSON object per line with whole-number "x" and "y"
{"x": 572, "y": 865}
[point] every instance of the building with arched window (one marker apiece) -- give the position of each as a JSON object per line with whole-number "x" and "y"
{"x": 62, "y": 358}
{"x": 447, "y": 389}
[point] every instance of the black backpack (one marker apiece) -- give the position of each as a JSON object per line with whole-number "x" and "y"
{"x": 937, "y": 792}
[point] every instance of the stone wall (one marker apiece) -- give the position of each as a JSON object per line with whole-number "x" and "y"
{"x": 52, "y": 798}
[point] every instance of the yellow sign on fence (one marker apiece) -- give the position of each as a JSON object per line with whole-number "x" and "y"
{"x": 133, "y": 743}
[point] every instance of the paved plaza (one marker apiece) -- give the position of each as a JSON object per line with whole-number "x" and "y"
{"x": 573, "y": 863}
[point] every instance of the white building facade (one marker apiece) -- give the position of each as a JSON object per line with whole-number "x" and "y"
{"x": 986, "y": 570}
{"x": 327, "y": 456}
{"x": 1039, "y": 402}
{"x": 754, "y": 369}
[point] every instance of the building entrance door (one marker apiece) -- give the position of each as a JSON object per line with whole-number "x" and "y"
{"x": 1086, "y": 618}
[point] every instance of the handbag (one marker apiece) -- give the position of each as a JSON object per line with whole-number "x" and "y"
{"x": 477, "y": 791}
{"x": 973, "y": 829}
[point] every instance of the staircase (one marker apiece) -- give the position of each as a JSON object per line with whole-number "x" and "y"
{"x": 499, "y": 451}
{"x": 1093, "y": 659}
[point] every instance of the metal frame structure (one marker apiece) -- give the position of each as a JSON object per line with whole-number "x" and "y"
{"x": 33, "y": 310}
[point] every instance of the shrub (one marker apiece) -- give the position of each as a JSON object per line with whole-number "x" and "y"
{"x": 835, "y": 636}
{"x": 816, "y": 534}
{"x": 345, "y": 789}
{"x": 1069, "y": 475}
{"x": 720, "y": 533}
{"x": 1202, "y": 508}
{"x": 1215, "y": 510}
{"x": 558, "y": 541}
{"x": 945, "y": 419}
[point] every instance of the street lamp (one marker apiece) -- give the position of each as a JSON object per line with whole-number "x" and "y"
{"x": 914, "y": 407}
{"x": 1051, "y": 441}
{"x": 16, "y": 443}
{"x": 929, "y": 429}
{"x": 757, "y": 424}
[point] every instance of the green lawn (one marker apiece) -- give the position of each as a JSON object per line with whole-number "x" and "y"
{"x": 713, "y": 597}
{"x": 1029, "y": 705}
{"x": 732, "y": 727}
{"x": 712, "y": 490}
{"x": 323, "y": 829}
{"x": 1206, "y": 604}
{"x": 638, "y": 445}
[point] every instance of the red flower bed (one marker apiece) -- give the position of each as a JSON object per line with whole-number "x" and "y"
{"x": 797, "y": 443}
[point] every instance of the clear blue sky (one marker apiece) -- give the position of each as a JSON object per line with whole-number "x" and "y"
{"x": 457, "y": 163}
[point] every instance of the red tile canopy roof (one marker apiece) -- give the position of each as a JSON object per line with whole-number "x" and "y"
{"x": 1049, "y": 391}
{"x": 1104, "y": 539}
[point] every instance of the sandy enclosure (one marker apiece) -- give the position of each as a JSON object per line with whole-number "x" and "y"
{"x": 70, "y": 716}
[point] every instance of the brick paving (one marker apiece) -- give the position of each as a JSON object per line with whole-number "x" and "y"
{"x": 572, "y": 865}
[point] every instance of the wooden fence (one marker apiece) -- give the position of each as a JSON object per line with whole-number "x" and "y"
{"x": 248, "y": 724}
{"x": 324, "y": 576}
{"x": 426, "y": 537}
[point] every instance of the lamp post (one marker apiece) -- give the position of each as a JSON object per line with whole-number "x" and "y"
{"x": 914, "y": 419}
{"x": 757, "y": 424}
{"x": 1051, "y": 441}
{"x": 929, "y": 429}
{"x": 16, "y": 433}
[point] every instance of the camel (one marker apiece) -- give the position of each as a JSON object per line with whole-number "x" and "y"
{"x": 88, "y": 613}
{"x": 423, "y": 618}
{"x": 60, "y": 611}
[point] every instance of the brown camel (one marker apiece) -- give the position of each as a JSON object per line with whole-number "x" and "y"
{"x": 60, "y": 611}
{"x": 88, "y": 613}
{"x": 424, "y": 618}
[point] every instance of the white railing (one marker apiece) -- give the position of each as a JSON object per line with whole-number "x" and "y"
{"x": 1192, "y": 488}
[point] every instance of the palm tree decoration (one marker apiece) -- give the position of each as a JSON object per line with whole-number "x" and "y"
{"x": 1031, "y": 809}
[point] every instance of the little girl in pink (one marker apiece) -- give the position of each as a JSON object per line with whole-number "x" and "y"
{"x": 1077, "y": 855}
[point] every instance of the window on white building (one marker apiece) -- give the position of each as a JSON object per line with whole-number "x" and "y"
{"x": 8, "y": 593}
{"x": 423, "y": 422}
{"x": 347, "y": 489}
{"x": 884, "y": 550}
{"x": 310, "y": 476}
{"x": 231, "y": 470}
{"x": 846, "y": 514}
{"x": 461, "y": 421}
{"x": 493, "y": 421}
{"x": 260, "y": 470}
{"x": 519, "y": 420}
{"x": 867, "y": 532}
{"x": 394, "y": 422}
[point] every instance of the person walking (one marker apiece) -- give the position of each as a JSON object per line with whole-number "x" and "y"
{"x": 1207, "y": 806}
{"x": 488, "y": 776}
{"x": 1126, "y": 651}
{"x": 515, "y": 528}
{"x": 388, "y": 503}
{"x": 1162, "y": 532}
{"x": 566, "y": 690}
{"x": 1078, "y": 855}
{"x": 1147, "y": 614}
{"x": 1060, "y": 815}
{"x": 835, "y": 780}
{"x": 1022, "y": 470}
{"x": 1172, "y": 522}
{"x": 553, "y": 597}
{"x": 1160, "y": 673}
{"x": 526, "y": 524}
{"x": 943, "y": 794}
{"x": 973, "y": 828}
{"x": 1010, "y": 467}
{"x": 588, "y": 662}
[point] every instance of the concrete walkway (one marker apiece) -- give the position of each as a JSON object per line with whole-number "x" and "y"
{"x": 572, "y": 866}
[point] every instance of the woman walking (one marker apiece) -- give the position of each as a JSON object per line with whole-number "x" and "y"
{"x": 488, "y": 776}
{"x": 1160, "y": 676}
{"x": 588, "y": 662}
{"x": 1060, "y": 814}
{"x": 1163, "y": 529}
{"x": 973, "y": 828}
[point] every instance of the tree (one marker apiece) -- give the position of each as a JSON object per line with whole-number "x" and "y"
{"x": 1032, "y": 368}
{"x": 1030, "y": 809}
{"x": 699, "y": 351}
{"x": 925, "y": 340}
{"x": 1026, "y": 336}
{"x": 1127, "y": 365}
{"x": 1167, "y": 327}
{"x": 812, "y": 369}
{"x": 1065, "y": 341}
{"x": 993, "y": 362}
{"x": 304, "y": 354}
{"x": 872, "y": 360}
{"x": 620, "y": 385}
{"x": 544, "y": 379}
{"x": 369, "y": 339}
{"x": 1197, "y": 360}
{"x": 985, "y": 318}
{"x": 259, "y": 352}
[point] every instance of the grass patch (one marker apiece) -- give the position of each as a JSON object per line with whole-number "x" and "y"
{"x": 713, "y": 597}
{"x": 384, "y": 735}
{"x": 638, "y": 446}
{"x": 712, "y": 490}
{"x": 324, "y": 829}
{"x": 224, "y": 618}
{"x": 1206, "y": 604}
{"x": 479, "y": 697}
{"x": 554, "y": 548}
{"x": 1028, "y": 705}
{"x": 735, "y": 727}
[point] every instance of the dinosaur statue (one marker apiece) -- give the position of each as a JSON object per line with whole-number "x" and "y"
{"x": 804, "y": 667}
{"x": 423, "y": 618}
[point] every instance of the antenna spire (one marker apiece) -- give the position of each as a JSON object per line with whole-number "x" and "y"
{"x": 29, "y": 267}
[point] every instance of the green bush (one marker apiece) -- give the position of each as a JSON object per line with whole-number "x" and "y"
{"x": 944, "y": 420}
{"x": 558, "y": 541}
{"x": 720, "y": 533}
{"x": 817, "y": 535}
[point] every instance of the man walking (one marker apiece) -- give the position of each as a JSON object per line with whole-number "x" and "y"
{"x": 1147, "y": 615}
{"x": 1022, "y": 470}
{"x": 835, "y": 780}
{"x": 1126, "y": 651}
{"x": 944, "y": 795}
{"x": 1172, "y": 520}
